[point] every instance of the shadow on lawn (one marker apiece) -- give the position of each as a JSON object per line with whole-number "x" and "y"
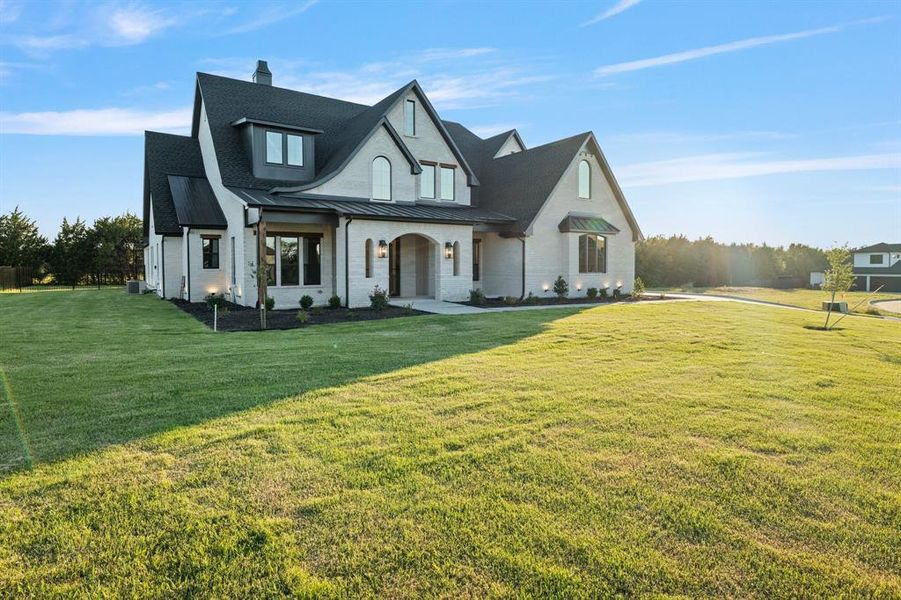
{"x": 88, "y": 371}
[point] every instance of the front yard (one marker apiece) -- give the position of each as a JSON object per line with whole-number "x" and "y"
{"x": 684, "y": 448}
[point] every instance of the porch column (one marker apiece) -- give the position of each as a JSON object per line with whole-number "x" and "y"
{"x": 262, "y": 280}
{"x": 340, "y": 259}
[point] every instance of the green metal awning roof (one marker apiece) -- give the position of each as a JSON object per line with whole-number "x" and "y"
{"x": 586, "y": 224}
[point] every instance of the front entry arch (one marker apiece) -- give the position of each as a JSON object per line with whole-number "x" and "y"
{"x": 412, "y": 267}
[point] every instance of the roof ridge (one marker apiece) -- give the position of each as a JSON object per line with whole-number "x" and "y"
{"x": 277, "y": 87}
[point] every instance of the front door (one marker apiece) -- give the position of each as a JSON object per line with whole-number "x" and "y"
{"x": 394, "y": 269}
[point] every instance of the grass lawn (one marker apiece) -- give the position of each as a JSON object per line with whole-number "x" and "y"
{"x": 797, "y": 297}
{"x": 675, "y": 448}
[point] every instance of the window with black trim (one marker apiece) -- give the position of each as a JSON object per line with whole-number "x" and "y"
{"x": 592, "y": 253}
{"x": 476, "y": 260}
{"x": 210, "y": 252}
{"x": 290, "y": 263}
{"x": 381, "y": 178}
{"x": 427, "y": 181}
{"x": 447, "y": 183}
{"x": 410, "y": 117}
{"x": 284, "y": 149}
{"x": 584, "y": 179}
{"x": 312, "y": 261}
{"x": 368, "y": 258}
{"x": 876, "y": 259}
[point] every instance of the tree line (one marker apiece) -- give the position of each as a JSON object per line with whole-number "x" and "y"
{"x": 110, "y": 251}
{"x": 678, "y": 261}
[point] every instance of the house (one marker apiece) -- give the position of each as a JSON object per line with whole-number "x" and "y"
{"x": 878, "y": 265}
{"x": 279, "y": 193}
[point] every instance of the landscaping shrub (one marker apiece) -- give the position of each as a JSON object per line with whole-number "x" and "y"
{"x": 302, "y": 315}
{"x": 510, "y": 300}
{"x": 531, "y": 299}
{"x": 408, "y": 309}
{"x": 306, "y": 302}
{"x": 334, "y": 302}
{"x": 617, "y": 293}
{"x": 216, "y": 300}
{"x": 378, "y": 299}
{"x": 270, "y": 302}
{"x": 561, "y": 288}
{"x": 592, "y": 292}
{"x": 637, "y": 288}
{"x": 604, "y": 293}
{"x": 476, "y": 297}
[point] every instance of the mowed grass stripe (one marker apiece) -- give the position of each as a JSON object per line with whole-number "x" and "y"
{"x": 677, "y": 448}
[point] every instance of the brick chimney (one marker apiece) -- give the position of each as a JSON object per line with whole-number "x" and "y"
{"x": 262, "y": 75}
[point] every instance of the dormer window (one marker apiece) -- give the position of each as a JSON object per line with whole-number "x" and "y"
{"x": 410, "y": 117}
{"x": 284, "y": 149}
{"x": 876, "y": 259}
{"x": 273, "y": 147}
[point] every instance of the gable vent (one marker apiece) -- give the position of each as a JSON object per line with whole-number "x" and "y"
{"x": 262, "y": 75}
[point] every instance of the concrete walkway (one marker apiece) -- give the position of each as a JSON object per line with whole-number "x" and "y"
{"x": 893, "y": 306}
{"x": 441, "y": 307}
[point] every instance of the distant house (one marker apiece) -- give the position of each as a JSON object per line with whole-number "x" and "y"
{"x": 878, "y": 265}
{"x": 279, "y": 193}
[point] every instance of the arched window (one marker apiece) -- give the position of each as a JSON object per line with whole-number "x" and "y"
{"x": 381, "y": 178}
{"x": 584, "y": 179}
{"x": 456, "y": 258}
{"x": 368, "y": 258}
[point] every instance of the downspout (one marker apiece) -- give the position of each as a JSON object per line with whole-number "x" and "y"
{"x": 163, "y": 266}
{"x": 260, "y": 299}
{"x": 188, "y": 250}
{"x": 523, "y": 240}
{"x": 347, "y": 223}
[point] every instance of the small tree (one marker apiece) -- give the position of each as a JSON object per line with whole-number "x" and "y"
{"x": 637, "y": 288}
{"x": 561, "y": 288}
{"x": 839, "y": 277}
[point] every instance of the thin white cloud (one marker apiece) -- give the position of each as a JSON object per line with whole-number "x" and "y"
{"x": 134, "y": 24}
{"x": 486, "y": 131}
{"x": 450, "y": 81}
{"x": 687, "y": 55}
{"x": 659, "y": 138}
{"x": 614, "y": 10}
{"x": 10, "y": 11}
{"x": 269, "y": 16}
{"x": 452, "y": 53}
{"x": 716, "y": 167}
{"x": 96, "y": 122}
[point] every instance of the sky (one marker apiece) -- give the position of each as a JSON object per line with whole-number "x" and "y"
{"x": 772, "y": 122}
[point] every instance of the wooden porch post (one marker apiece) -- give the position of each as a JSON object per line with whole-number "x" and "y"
{"x": 262, "y": 265}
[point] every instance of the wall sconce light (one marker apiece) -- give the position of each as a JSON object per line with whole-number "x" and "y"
{"x": 448, "y": 250}
{"x": 619, "y": 284}
{"x": 578, "y": 287}
{"x": 545, "y": 287}
{"x": 383, "y": 249}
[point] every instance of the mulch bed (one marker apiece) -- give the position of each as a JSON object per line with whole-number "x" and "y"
{"x": 499, "y": 302}
{"x": 246, "y": 318}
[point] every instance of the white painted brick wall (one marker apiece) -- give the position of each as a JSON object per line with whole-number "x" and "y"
{"x": 550, "y": 253}
{"x": 449, "y": 287}
{"x": 429, "y": 145}
{"x": 356, "y": 178}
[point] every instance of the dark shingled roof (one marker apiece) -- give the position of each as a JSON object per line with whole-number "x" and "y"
{"x": 195, "y": 203}
{"x": 228, "y": 100}
{"x": 164, "y": 155}
{"x": 363, "y": 207}
{"x": 880, "y": 247}
{"x": 519, "y": 184}
{"x": 895, "y": 269}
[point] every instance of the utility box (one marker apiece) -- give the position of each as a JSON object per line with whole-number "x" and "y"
{"x": 135, "y": 286}
{"x": 841, "y": 307}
